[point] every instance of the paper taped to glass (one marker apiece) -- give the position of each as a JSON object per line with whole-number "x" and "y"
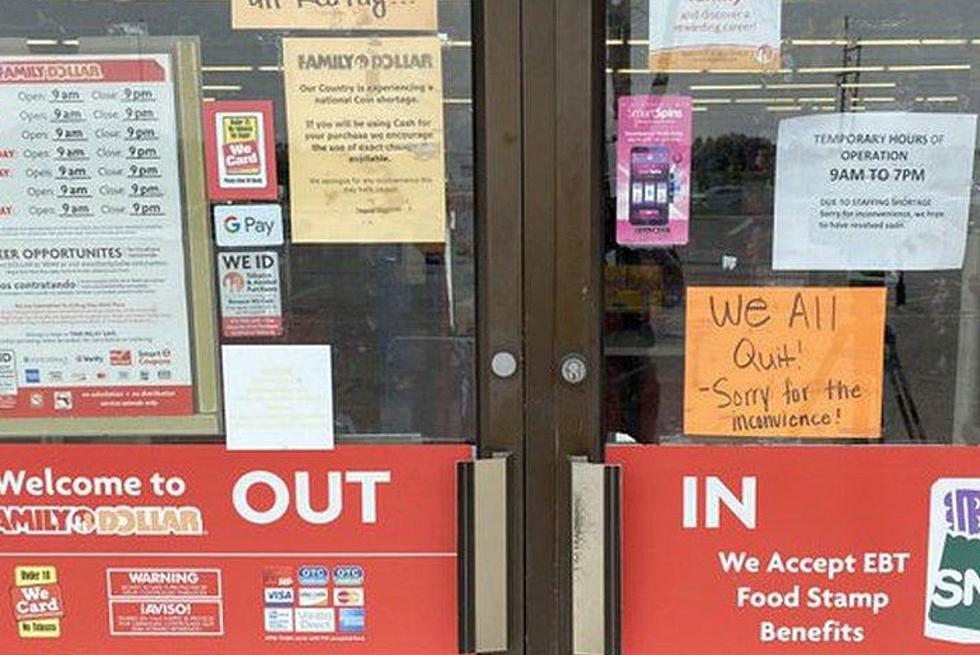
{"x": 881, "y": 191}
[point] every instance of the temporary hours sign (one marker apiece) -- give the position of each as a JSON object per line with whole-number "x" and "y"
{"x": 179, "y": 550}
{"x": 805, "y": 550}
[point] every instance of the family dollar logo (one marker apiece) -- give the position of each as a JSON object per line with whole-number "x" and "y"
{"x": 953, "y": 584}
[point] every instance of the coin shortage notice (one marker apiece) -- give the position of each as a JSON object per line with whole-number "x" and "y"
{"x": 366, "y": 140}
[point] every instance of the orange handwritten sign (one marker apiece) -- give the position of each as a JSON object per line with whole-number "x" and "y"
{"x": 784, "y": 362}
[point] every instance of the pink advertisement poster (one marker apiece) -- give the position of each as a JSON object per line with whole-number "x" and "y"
{"x": 653, "y": 171}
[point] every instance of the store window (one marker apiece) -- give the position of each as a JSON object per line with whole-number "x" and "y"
{"x": 389, "y": 283}
{"x": 729, "y": 163}
{"x": 237, "y": 324}
{"x": 790, "y": 332}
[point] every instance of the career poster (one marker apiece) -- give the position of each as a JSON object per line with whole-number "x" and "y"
{"x": 878, "y": 191}
{"x": 367, "y": 162}
{"x": 715, "y": 34}
{"x": 653, "y": 190}
{"x": 802, "y": 550}
{"x": 784, "y": 362}
{"x": 373, "y": 15}
{"x": 93, "y": 302}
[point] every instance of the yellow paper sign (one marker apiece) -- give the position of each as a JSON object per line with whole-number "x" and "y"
{"x": 39, "y": 629}
{"x": 784, "y": 362}
{"x": 334, "y": 14}
{"x": 366, "y": 154}
{"x": 30, "y": 576}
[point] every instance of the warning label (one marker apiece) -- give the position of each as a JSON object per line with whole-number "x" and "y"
{"x": 165, "y": 583}
{"x": 166, "y": 618}
{"x": 165, "y": 602}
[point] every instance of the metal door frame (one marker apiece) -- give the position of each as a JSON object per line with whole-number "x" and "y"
{"x": 564, "y": 86}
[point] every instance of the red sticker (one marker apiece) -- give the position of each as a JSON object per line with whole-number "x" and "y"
{"x": 240, "y": 146}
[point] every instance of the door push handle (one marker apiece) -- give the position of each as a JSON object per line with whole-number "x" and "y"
{"x": 596, "y": 558}
{"x": 482, "y": 557}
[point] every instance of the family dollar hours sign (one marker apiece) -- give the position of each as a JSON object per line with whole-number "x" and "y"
{"x": 334, "y": 14}
{"x": 92, "y": 256}
{"x": 366, "y": 154}
{"x": 784, "y": 362}
{"x": 876, "y": 191}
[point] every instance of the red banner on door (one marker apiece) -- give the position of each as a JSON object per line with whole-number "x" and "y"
{"x": 184, "y": 550}
{"x": 797, "y": 550}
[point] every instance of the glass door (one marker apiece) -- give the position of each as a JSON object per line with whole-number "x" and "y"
{"x": 254, "y": 314}
{"x": 789, "y": 331}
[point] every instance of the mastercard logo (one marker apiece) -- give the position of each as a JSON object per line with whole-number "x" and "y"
{"x": 348, "y": 597}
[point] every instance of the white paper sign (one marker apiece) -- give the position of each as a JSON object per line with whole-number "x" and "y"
{"x": 878, "y": 191}
{"x": 278, "y": 397}
{"x": 251, "y": 297}
{"x": 93, "y": 298}
{"x": 248, "y": 225}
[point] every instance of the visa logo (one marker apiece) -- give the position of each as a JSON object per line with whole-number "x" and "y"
{"x": 279, "y": 597}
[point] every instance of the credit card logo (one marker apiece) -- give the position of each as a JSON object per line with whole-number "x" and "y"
{"x": 278, "y": 620}
{"x": 353, "y": 597}
{"x": 351, "y": 619}
{"x": 279, "y": 597}
{"x": 313, "y": 576}
{"x": 320, "y": 620}
{"x": 348, "y": 576}
{"x": 309, "y": 597}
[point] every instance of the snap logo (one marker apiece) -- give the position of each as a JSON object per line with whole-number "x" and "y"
{"x": 953, "y": 584}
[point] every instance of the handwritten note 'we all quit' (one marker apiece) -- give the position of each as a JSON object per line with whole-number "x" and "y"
{"x": 787, "y": 362}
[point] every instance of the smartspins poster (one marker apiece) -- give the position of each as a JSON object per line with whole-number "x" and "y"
{"x": 93, "y": 297}
{"x": 653, "y": 171}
